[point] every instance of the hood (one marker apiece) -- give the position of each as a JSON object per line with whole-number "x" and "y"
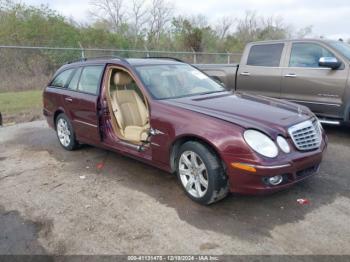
{"x": 269, "y": 115}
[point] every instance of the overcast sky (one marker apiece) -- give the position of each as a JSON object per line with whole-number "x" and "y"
{"x": 329, "y": 18}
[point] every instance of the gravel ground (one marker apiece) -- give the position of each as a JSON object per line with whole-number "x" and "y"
{"x": 58, "y": 202}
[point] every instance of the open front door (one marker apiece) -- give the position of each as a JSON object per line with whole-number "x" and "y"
{"x": 128, "y": 112}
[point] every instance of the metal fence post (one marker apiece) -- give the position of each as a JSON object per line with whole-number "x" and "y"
{"x": 147, "y": 52}
{"x": 82, "y": 50}
{"x": 194, "y": 56}
{"x": 228, "y": 57}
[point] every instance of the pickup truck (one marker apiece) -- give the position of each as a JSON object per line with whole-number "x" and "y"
{"x": 313, "y": 73}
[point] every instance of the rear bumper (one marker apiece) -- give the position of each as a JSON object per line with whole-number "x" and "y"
{"x": 300, "y": 167}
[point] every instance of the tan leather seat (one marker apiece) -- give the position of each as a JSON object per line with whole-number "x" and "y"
{"x": 130, "y": 111}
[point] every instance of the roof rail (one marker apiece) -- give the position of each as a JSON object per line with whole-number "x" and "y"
{"x": 97, "y": 58}
{"x": 166, "y": 57}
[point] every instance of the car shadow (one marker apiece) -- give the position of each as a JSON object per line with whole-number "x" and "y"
{"x": 246, "y": 217}
{"x": 337, "y": 134}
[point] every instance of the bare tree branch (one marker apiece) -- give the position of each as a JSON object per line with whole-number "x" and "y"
{"x": 304, "y": 32}
{"x": 161, "y": 13}
{"x": 110, "y": 10}
{"x": 253, "y": 28}
{"x": 224, "y": 25}
{"x": 138, "y": 18}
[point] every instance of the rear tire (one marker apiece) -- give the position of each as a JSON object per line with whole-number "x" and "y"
{"x": 201, "y": 174}
{"x": 65, "y": 133}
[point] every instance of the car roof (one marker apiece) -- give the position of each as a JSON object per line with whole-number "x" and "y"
{"x": 112, "y": 60}
{"x": 153, "y": 61}
{"x": 131, "y": 61}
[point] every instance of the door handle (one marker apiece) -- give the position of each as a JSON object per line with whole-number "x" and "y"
{"x": 245, "y": 74}
{"x": 69, "y": 99}
{"x": 291, "y": 75}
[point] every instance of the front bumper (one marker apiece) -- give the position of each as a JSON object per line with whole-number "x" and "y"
{"x": 299, "y": 167}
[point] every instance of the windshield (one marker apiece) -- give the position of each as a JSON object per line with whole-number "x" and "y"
{"x": 174, "y": 81}
{"x": 341, "y": 47}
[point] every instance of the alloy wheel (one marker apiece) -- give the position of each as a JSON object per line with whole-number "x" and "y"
{"x": 63, "y": 132}
{"x": 193, "y": 174}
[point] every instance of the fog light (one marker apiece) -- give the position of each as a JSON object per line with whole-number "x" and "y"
{"x": 275, "y": 180}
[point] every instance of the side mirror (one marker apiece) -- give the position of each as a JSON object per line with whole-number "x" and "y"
{"x": 330, "y": 62}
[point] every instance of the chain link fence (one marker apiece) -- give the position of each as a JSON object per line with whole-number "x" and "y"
{"x": 27, "y": 68}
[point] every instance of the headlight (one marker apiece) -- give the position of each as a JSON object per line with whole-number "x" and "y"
{"x": 261, "y": 143}
{"x": 283, "y": 144}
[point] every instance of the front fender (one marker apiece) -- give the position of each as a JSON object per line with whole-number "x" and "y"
{"x": 182, "y": 125}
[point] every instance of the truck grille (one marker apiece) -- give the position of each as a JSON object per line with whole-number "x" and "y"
{"x": 306, "y": 135}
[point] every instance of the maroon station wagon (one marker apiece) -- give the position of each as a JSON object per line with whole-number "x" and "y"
{"x": 171, "y": 115}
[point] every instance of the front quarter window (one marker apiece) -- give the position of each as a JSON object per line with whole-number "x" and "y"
{"x": 307, "y": 55}
{"x": 174, "y": 81}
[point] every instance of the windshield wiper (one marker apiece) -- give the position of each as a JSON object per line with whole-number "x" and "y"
{"x": 212, "y": 92}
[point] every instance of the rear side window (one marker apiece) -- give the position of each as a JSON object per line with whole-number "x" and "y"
{"x": 62, "y": 78}
{"x": 307, "y": 55}
{"x": 90, "y": 79}
{"x": 265, "y": 55}
{"x": 75, "y": 79}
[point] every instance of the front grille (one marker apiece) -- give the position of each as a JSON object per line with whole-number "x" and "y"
{"x": 306, "y": 135}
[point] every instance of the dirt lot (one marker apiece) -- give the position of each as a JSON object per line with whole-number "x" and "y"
{"x": 52, "y": 201}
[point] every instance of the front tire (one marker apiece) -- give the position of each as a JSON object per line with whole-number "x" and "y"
{"x": 65, "y": 133}
{"x": 201, "y": 174}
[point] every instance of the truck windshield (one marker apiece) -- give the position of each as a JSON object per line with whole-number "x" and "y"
{"x": 174, "y": 81}
{"x": 341, "y": 47}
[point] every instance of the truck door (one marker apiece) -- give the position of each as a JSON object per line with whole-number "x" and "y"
{"x": 307, "y": 83}
{"x": 260, "y": 69}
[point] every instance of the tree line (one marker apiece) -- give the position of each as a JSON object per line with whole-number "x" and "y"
{"x": 137, "y": 24}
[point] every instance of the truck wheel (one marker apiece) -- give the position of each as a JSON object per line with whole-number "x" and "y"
{"x": 65, "y": 133}
{"x": 201, "y": 174}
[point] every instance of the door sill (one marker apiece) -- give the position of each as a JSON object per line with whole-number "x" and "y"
{"x": 129, "y": 144}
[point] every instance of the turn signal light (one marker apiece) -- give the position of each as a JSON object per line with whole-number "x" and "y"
{"x": 244, "y": 167}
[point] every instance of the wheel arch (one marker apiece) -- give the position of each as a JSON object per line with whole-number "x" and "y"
{"x": 179, "y": 141}
{"x": 56, "y": 114}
